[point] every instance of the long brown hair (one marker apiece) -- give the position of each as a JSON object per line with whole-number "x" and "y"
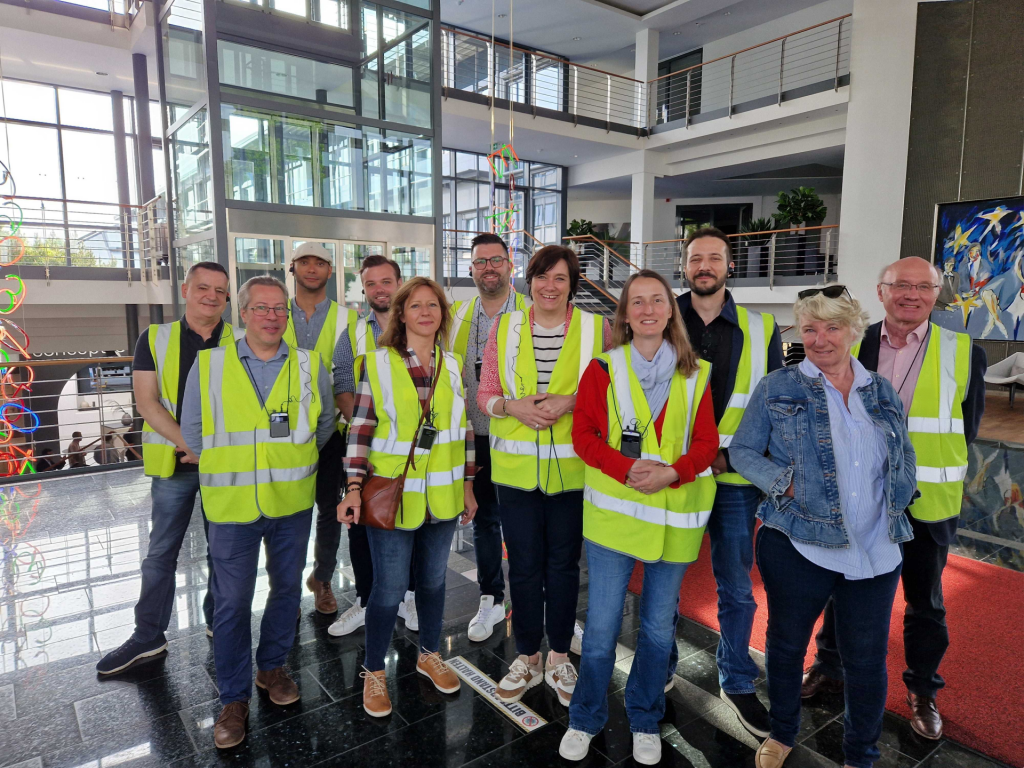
{"x": 675, "y": 331}
{"x": 394, "y": 335}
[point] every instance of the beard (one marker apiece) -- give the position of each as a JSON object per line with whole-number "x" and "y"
{"x": 709, "y": 290}
{"x": 500, "y": 287}
{"x": 381, "y": 305}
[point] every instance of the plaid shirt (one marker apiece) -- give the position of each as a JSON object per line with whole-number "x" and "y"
{"x": 364, "y": 420}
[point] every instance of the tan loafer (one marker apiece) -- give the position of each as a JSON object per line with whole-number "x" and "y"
{"x": 771, "y": 754}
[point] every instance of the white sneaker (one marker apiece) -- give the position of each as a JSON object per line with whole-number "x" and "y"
{"x": 575, "y": 745}
{"x": 407, "y": 611}
{"x": 348, "y": 622}
{"x": 670, "y": 684}
{"x": 482, "y": 625}
{"x": 521, "y": 677}
{"x": 576, "y": 644}
{"x": 646, "y": 748}
{"x": 561, "y": 677}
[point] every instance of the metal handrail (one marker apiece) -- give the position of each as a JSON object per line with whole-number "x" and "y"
{"x": 606, "y": 244}
{"x": 749, "y": 234}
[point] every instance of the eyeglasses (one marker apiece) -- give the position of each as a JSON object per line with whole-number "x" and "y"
{"x": 496, "y": 261}
{"x": 903, "y": 287}
{"x": 262, "y": 310}
{"x": 830, "y": 292}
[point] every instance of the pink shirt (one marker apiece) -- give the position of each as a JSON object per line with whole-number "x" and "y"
{"x": 902, "y": 365}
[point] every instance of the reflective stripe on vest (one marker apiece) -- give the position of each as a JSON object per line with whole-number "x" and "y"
{"x": 522, "y": 457}
{"x": 463, "y": 313}
{"x": 436, "y": 476}
{"x": 667, "y": 525}
{"x": 243, "y": 471}
{"x": 757, "y": 330}
{"x": 361, "y": 336}
{"x": 158, "y": 453}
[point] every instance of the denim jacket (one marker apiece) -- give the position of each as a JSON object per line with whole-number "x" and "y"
{"x": 785, "y": 436}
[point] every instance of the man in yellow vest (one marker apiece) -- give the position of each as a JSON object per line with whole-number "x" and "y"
{"x": 742, "y": 346}
{"x": 381, "y": 278}
{"x": 163, "y": 357}
{"x": 922, "y": 361}
{"x": 256, "y": 414}
{"x": 317, "y": 322}
{"x": 491, "y": 270}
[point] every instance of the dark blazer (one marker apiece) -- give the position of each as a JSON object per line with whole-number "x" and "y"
{"x": 944, "y": 531}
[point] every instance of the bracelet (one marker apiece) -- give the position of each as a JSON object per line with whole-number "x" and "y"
{"x": 356, "y": 486}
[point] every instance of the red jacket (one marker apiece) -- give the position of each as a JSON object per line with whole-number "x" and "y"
{"x": 590, "y": 422}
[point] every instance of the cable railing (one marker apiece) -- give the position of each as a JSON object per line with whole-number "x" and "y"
{"x": 807, "y": 61}
{"x": 457, "y": 251}
{"x": 51, "y": 232}
{"x": 67, "y": 415}
{"x": 761, "y": 257}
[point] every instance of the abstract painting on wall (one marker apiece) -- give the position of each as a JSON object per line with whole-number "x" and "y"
{"x": 979, "y": 247}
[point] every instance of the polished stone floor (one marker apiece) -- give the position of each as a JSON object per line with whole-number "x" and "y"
{"x": 71, "y": 553}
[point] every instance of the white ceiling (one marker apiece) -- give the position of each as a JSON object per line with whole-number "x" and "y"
{"x": 608, "y": 28}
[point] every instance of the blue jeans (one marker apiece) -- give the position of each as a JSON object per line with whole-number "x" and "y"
{"x": 645, "y": 689}
{"x": 236, "y": 554}
{"x": 797, "y": 591}
{"x": 394, "y": 556}
{"x": 173, "y": 500}
{"x": 731, "y": 529}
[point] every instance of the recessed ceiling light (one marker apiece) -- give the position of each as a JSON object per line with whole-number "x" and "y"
{"x": 575, "y": 155}
{"x": 677, "y": 33}
{"x": 501, "y": 15}
{"x": 577, "y": 38}
{"x": 102, "y": 74}
{"x": 728, "y": 13}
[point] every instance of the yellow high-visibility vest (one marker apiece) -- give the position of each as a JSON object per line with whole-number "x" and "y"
{"x": 522, "y": 457}
{"x": 667, "y": 525}
{"x": 436, "y": 480}
{"x": 158, "y": 458}
{"x": 757, "y": 330}
{"x": 243, "y": 471}
{"x": 463, "y": 313}
{"x": 339, "y": 321}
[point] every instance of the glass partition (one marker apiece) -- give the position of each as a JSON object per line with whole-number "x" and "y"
{"x": 184, "y": 58}
{"x": 192, "y": 176}
{"x": 256, "y": 256}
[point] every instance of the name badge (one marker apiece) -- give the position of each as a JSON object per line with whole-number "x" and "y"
{"x": 279, "y": 425}
{"x": 425, "y": 438}
{"x": 630, "y": 447}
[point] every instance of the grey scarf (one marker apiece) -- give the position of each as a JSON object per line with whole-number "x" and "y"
{"x": 655, "y": 376}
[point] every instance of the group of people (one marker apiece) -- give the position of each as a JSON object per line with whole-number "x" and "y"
{"x": 548, "y": 427}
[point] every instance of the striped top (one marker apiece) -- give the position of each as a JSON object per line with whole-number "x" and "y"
{"x": 861, "y": 455}
{"x": 547, "y": 343}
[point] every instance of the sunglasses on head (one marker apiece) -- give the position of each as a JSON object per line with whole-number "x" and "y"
{"x": 830, "y": 291}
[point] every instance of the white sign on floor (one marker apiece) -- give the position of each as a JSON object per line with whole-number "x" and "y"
{"x": 519, "y": 713}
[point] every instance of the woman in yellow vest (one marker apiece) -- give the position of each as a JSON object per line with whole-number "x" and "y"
{"x": 645, "y": 428}
{"x": 393, "y": 388}
{"x": 532, "y": 365}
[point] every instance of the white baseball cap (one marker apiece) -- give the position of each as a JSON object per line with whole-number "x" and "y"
{"x": 313, "y": 249}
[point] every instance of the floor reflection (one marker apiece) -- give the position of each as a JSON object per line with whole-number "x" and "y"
{"x": 72, "y": 548}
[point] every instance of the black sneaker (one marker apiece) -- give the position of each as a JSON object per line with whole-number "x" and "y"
{"x": 131, "y": 651}
{"x": 751, "y": 712}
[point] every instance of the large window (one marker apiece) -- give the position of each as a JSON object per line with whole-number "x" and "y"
{"x": 59, "y": 146}
{"x": 330, "y": 13}
{"x": 293, "y": 160}
{"x": 397, "y": 44}
{"x": 467, "y": 206}
{"x": 191, "y": 173}
{"x": 184, "y": 57}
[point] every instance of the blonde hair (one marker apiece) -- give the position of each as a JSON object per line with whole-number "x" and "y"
{"x": 674, "y": 333}
{"x": 395, "y": 335}
{"x": 844, "y": 310}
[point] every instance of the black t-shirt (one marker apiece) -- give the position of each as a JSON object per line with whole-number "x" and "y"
{"x": 191, "y": 343}
{"x": 714, "y": 344}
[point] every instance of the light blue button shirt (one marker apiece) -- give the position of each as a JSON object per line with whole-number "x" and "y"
{"x": 861, "y": 459}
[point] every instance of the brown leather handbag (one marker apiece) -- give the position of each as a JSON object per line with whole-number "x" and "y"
{"x": 382, "y": 496}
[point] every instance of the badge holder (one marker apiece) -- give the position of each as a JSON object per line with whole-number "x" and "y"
{"x": 279, "y": 425}
{"x": 425, "y": 438}
{"x": 630, "y": 447}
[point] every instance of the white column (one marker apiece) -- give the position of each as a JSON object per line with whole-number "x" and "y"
{"x": 646, "y": 67}
{"x": 877, "y": 138}
{"x": 642, "y": 209}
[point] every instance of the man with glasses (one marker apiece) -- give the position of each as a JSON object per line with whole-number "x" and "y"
{"x": 742, "y": 346}
{"x": 491, "y": 270}
{"x": 256, "y": 414}
{"x": 317, "y": 322}
{"x": 923, "y": 362}
{"x": 163, "y": 357}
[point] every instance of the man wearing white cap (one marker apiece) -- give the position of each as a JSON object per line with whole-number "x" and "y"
{"x": 316, "y": 322}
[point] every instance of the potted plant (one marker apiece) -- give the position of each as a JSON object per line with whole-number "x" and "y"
{"x": 801, "y": 207}
{"x": 754, "y": 245}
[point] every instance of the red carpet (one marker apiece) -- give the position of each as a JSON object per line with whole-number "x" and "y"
{"x": 983, "y": 702}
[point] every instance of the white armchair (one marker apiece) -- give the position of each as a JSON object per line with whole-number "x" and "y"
{"x": 1008, "y": 373}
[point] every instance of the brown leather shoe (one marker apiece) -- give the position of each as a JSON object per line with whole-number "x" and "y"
{"x": 323, "y": 596}
{"x": 771, "y": 754}
{"x": 924, "y": 716}
{"x": 817, "y": 682}
{"x": 376, "y": 700}
{"x": 281, "y": 688}
{"x": 229, "y": 730}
